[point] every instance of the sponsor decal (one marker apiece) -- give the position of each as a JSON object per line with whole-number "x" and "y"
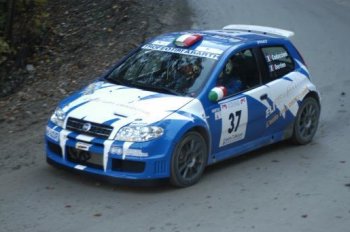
{"x": 134, "y": 152}
{"x": 298, "y": 97}
{"x": 278, "y": 56}
{"x": 291, "y": 93}
{"x": 138, "y": 122}
{"x": 227, "y": 37}
{"x": 82, "y": 146}
{"x": 128, "y": 152}
{"x": 52, "y": 134}
{"x": 79, "y": 167}
{"x": 116, "y": 150}
{"x": 285, "y": 108}
{"x": 270, "y": 110}
{"x": 210, "y": 50}
{"x": 161, "y": 42}
{"x": 181, "y": 51}
{"x": 264, "y": 41}
{"x": 272, "y": 120}
{"x": 217, "y": 113}
{"x": 125, "y": 107}
{"x": 275, "y": 67}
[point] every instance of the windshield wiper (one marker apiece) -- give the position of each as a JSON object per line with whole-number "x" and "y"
{"x": 114, "y": 81}
{"x": 154, "y": 88}
{"x": 118, "y": 81}
{"x": 166, "y": 90}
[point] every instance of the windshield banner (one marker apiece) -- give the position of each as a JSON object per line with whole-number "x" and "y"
{"x": 181, "y": 51}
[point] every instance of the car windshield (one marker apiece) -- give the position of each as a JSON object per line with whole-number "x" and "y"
{"x": 165, "y": 72}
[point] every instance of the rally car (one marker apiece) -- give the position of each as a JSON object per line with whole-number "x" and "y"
{"x": 186, "y": 100}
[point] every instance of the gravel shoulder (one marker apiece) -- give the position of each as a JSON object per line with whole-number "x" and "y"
{"x": 86, "y": 39}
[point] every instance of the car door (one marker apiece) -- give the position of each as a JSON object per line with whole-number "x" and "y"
{"x": 237, "y": 120}
{"x": 280, "y": 82}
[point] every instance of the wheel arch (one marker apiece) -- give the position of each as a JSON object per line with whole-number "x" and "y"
{"x": 189, "y": 130}
{"x": 205, "y": 133}
{"x": 296, "y": 138}
{"x": 289, "y": 131}
{"x": 315, "y": 95}
{"x": 176, "y": 131}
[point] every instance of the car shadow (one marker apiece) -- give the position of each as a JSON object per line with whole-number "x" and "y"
{"x": 246, "y": 157}
{"x": 160, "y": 186}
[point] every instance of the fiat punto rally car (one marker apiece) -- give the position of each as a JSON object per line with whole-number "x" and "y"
{"x": 186, "y": 100}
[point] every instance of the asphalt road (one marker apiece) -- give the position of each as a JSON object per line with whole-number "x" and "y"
{"x": 278, "y": 188}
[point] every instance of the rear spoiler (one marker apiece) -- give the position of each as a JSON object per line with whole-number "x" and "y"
{"x": 259, "y": 29}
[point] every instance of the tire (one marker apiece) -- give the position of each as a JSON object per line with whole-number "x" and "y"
{"x": 189, "y": 160}
{"x": 306, "y": 121}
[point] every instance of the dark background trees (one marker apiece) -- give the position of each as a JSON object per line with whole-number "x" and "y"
{"x": 23, "y": 26}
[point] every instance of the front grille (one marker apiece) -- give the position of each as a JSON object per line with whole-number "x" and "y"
{"x": 86, "y": 158}
{"x": 96, "y": 130}
{"x": 56, "y": 149}
{"x": 127, "y": 166}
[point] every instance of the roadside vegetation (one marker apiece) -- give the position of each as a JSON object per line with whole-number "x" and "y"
{"x": 56, "y": 47}
{"x": 23, "y": 29}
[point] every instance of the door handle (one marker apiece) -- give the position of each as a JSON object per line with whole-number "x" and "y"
{"x": 263, "y": 97}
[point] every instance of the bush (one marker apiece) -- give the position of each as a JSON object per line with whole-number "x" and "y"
{"x": 5, "y": 50}
{"x": 23, "y": 25}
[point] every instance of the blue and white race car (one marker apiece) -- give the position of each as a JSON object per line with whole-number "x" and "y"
{"x": 186, "y": 100}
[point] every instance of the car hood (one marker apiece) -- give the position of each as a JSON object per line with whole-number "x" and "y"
{"x": 116, "y": 105}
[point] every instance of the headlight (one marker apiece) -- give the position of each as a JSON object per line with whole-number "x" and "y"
{"x": 139, "y": 133}
{"x": 58, "y": 117}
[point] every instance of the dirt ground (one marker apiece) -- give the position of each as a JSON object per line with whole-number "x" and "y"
{"x": 87, "y": 38}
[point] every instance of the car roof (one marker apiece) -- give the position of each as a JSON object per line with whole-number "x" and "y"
{"x": 217, "y": 41}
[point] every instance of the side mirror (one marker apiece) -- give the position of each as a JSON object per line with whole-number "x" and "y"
{"x": 217, "y": 93}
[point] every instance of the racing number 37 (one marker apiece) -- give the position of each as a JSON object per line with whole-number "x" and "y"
{"x": 235, "y": 119}
{"x": 234, "y": 116}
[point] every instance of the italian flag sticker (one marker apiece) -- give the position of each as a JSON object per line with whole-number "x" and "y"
{"x": 217, "y": 93}
{"x": 187, "y": 40}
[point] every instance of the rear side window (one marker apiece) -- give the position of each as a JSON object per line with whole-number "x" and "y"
{"x": 278, "y": 61}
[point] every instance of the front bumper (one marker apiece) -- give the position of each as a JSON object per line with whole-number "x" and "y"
{"x": 110, "y": 179}
{"x": 132, "y": 161}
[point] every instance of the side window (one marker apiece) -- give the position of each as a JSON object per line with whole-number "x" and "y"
{"x": 278, "y": 61}
{"x": 239, "y": 73}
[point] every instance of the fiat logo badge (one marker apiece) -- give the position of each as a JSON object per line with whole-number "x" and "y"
{"x": 86, "y": 126}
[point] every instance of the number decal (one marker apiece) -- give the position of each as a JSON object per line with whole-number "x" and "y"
{"x": 238, "y": 114}
{"x": 232, "y": 119}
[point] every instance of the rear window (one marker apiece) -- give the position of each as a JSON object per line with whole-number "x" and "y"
{"x": 278, "y": 60}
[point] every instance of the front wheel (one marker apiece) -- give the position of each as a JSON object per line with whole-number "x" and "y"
{"x": 189, "y": 160}
{"x": 306, "y": 121}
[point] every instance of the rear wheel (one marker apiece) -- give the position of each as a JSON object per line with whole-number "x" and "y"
{"x": 189, "y": 160}
{"x": 306, "y": 121}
